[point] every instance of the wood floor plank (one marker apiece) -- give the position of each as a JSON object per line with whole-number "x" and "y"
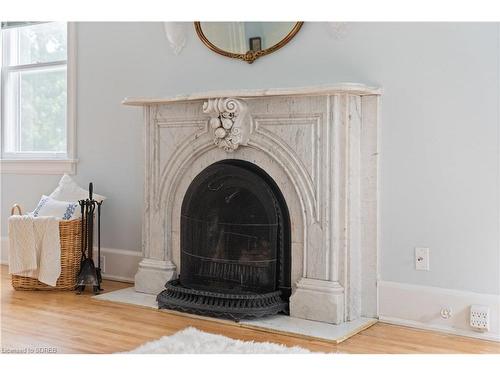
{"x": 80, "y": 324}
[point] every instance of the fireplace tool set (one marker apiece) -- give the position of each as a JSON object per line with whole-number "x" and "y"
{"x": 89, "y": 273}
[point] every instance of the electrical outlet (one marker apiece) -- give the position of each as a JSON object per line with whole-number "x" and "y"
{"x": 422, "y": 258}
{"x": 446, "y": 312}
{"x": 103, "y": 264}
{"x": 480, "y": 317}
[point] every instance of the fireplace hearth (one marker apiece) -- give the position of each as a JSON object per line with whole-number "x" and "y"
{"x": 235, "y": 245}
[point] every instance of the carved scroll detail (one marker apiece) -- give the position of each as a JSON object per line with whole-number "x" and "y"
{"x": 228, "y": 122}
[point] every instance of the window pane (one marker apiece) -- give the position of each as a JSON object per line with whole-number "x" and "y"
{"x": 42, "y": 110}
{"x": 42, "y": 42}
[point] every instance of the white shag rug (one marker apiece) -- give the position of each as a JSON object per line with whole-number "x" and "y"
{"x": 193, "y": 341}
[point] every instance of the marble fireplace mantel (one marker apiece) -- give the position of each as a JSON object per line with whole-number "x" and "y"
{"x": 320, "y": 146}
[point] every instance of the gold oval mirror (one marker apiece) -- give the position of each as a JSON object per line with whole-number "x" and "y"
{"x": 246, "y": 41}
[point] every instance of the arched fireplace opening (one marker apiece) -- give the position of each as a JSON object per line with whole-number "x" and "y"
{"x": 235, "y": 245}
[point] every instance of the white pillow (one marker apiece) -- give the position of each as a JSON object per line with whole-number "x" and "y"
{"x": 68, "y": 190}
{"x": 60, "y": 209}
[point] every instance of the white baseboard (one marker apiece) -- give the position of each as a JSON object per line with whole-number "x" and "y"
{"x": 123, "y": 279}
{"x": 420, "y": 307}
{"x": 402, "y": 304}
{"x": 121, "y": 265}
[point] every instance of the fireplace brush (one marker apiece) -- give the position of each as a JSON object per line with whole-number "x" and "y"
{"x": 90, "y": 274}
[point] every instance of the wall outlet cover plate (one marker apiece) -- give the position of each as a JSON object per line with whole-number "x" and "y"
{"x": 422, "y": 258}
{"x": 480, "y": 317}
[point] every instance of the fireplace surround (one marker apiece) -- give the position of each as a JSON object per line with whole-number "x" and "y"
{"x": 317, "y": 144}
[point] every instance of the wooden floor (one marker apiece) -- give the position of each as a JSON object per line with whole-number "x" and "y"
{"x": 79, "y": 324}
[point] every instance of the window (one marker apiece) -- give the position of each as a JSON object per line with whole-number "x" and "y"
{"x": 37, "y": 97}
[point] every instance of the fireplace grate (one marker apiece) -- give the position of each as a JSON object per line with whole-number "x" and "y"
{"x": 221, "y": 305}
{"x": 233, "y": 272}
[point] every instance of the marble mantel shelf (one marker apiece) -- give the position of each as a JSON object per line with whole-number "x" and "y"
{"x": 347, "y": 88}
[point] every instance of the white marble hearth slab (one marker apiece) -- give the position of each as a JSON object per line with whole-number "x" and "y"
{"x": 279, "y": 323}
{"x": 129, "y": 296}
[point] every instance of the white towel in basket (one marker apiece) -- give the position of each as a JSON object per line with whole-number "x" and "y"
{"x": 35, "y": 247}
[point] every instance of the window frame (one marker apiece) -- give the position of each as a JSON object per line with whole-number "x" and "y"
{"x": 44, "y": 163}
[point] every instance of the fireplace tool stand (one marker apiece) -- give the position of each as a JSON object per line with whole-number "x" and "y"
{"x": 89, "y": 273}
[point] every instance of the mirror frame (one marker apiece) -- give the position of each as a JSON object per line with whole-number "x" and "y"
{"x": 249, "y": 56}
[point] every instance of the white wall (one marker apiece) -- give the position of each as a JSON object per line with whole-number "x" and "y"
{"x": 439, "y": 164}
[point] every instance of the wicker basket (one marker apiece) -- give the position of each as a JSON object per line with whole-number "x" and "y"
{"x": 70, "y": 234}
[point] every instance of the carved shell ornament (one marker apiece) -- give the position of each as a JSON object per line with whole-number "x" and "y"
{"x": 227, "y": 122}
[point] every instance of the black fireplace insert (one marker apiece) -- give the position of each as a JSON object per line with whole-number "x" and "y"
{"x": 235, "y": 245}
